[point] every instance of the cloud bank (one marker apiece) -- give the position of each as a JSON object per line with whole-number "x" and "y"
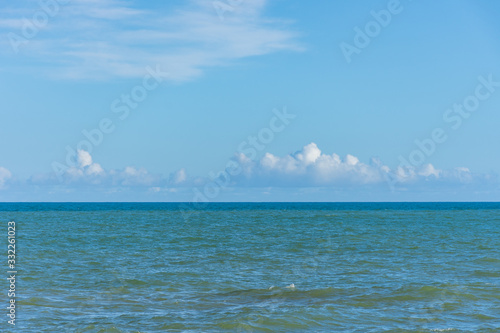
{"x": 307, "y": 173}
{"x": 87, "y": 172}
{"x": 310, "y": 167}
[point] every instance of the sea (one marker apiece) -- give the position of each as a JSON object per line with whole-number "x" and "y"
{"x": 253, "y": 267}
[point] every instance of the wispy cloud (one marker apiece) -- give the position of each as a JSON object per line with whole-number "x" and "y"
{"x": 111, "y": 38}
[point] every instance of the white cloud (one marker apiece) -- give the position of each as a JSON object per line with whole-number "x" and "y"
{"x": 4, "y": 176}
{"x": 131, "y": 176}
{"x": 101, "y": 39}
{"x": 429, "y": 170}
{"x": 84, "y": 159}
{"x": 88, "y": 172}
{"x": 306, "y": 168}
{"x": 310, "y": 167}
{"x": 95, "y": 169}
{"x": 179, "y": 177}
{"x": 85, "y": 170}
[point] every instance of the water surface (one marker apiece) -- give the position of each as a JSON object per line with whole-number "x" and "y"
{"x": 144, "y": 267}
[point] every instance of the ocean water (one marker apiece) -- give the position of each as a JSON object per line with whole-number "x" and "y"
{"x": 274, "y": 267}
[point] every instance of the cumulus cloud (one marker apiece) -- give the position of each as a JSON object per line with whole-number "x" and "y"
{"x": 85, "y": 169}
{"x": 5, "y": 175}
{"x": 88, "y": 172}
{"x": 310, "y": 167}
{"x": 83, "y": 158}
{"x": 179, "y": 177}
{"x": 102, "y": 39}
{"x": 131, "y": 176}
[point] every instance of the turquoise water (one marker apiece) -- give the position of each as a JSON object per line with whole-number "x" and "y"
{"x": 230, "y": 267}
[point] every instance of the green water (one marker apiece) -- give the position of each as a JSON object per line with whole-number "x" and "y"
{"x": 230, "y": 268}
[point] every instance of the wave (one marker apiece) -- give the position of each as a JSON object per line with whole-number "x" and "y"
{"x": 286, "y": 293}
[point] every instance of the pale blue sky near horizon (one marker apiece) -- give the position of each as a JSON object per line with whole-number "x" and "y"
{"x": 226, "y": 76}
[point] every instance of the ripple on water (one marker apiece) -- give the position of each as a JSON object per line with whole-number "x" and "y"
{"x": 374, "y": 267}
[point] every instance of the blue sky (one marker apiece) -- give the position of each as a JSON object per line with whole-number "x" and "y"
{"x": 344, "y": 100}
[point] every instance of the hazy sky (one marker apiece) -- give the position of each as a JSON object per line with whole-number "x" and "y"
{"x": 249, "y": 100}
